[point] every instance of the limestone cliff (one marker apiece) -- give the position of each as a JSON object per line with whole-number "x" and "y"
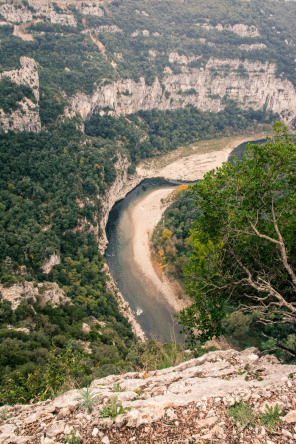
{"x": 23, "y": 14}
{"x": 190, "y": 403}
{"x": 45, "y": 292}
{"x": 26, "y": 118}
{"x": 249, "y": 84}
{"x": 240, "y": 29}
{"x": 189, "y": 80}
{"x": 121, "y": 186}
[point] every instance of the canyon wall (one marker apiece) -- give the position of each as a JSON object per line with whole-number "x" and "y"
{"x": 187, "y": 81}
{"x": 250, "y": 84}
{"x": 26, "y": 117}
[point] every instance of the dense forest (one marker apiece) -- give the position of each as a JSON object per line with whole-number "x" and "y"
{"x": 53, "y": 183}
{"x": 149, "y": 133}
{"x": 44, "y": 177}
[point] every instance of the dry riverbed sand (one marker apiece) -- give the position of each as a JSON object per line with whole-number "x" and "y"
{"x": 148, "y": 210}
{"x": 145, "y": 215}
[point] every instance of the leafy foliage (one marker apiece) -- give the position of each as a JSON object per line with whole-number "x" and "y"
{"x": 243, "y": 246}
{"x": 149, "y": 133}
{"x": 12, "y": 94}
{"x": 43, "y": 382}
{"x": 243, "y": 414}
{"x": 113, "y": 408}
{"x": 88, "y": 399}
{"x": 46, "y": 183}
{"x": 170, "y": 236}
{"x": 271, "y": 417}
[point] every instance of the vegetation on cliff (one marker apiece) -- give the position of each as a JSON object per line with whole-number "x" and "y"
{"x": 171, "y": 249}
{"x": 11, "y": 94}
{"x": 134, "y": 42}
{"x": 149, "y": 133}
{"x": 51, "y": 185}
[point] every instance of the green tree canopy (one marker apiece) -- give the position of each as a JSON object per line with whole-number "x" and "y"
{"x": 244, "y": 244}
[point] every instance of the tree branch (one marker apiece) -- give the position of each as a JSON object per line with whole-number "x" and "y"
{"x": 264, "y": 286}
{"x": 282, "y": 247}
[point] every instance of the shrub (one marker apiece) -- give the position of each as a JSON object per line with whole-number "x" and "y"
{"x": 242, "y": 413}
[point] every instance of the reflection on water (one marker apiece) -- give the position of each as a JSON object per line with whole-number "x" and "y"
{"x": 153, "y": 314}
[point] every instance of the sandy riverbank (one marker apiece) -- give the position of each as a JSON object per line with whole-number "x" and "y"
{"x": 193, "y": 162}
{"x": 145, "y": 215}
{"x": 148, "y": 210}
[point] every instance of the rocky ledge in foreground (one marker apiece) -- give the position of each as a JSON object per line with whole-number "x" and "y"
{"x": 197, "y": 401}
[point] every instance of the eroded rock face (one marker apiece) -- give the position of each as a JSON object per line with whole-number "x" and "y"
{"x": 249, "y": 84}
{"x": 190, "y": 399}
{"x": 92, "y": 10}
{"x": 15, "y": 14}
{"x": 239, "y": 28}
{"x": 55, "y": 259}
{"x": 45, "y": 292}
{"x": 27, "y": 117}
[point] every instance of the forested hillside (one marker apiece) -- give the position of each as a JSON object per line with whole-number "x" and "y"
{"x": 88, "y": 90}
{"x": 82, "y": 48}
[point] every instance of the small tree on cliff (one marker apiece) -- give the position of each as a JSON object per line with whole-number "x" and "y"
{"x": 244, "y": 243}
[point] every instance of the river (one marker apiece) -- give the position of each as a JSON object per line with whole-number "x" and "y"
{"x": 130, "y": 268}
{"x": 153, "y": 312}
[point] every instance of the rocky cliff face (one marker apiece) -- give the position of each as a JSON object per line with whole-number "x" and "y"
{"x": 240, "y": 29}
{"x": 27, "y": 117}
{"x": 121, "y": 186}
{"x": 188, "y": 403}
{"x": 45, "y": 292}
{"x": 22, "y": 14}
{"x": 250, "y": 85}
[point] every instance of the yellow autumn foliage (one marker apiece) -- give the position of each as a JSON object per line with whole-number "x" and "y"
{"x": 166, "y": 234}
{"x": 181, "y": 189}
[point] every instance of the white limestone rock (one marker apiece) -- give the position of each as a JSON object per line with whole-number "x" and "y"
{"x": 46, "y": 292}
{"x": 27, "y": 117}
{"x": 219, "y": 79}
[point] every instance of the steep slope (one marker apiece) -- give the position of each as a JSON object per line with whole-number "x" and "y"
{"x": 119, "y": 58}
{"x": 249, "y": 84}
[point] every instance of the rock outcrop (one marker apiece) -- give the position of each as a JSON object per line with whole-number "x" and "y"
{"x": 188, "y": 403}
{"x": 239, "y": 28}
{"x": 250, "y": 84}
{"x": 92, "y": 10}
{"x": 55, "y": 259}
{"x": 45, "y": 292}
{"x": 22, "y": 14}
{"x": 26, "y": 118}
